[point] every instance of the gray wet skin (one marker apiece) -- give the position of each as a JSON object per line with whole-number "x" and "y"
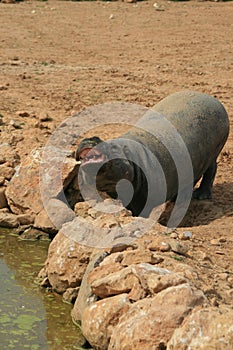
{"x": 184, "y": 123}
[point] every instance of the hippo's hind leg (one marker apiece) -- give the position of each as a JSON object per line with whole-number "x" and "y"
{"x": 204, "y": 191}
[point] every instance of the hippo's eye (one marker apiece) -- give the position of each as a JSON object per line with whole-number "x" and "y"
{"x": 114, "y": 147}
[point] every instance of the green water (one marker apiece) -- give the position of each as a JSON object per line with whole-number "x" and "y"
{"x": 30, "y": 317}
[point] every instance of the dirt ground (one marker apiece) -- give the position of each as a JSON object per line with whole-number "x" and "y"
{"x": 57, "y": 57}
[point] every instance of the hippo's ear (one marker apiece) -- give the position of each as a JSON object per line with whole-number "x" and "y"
{"x": 126, "y": 151}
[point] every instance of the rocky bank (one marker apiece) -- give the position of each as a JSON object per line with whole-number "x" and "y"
{"x": 144, "y": 291}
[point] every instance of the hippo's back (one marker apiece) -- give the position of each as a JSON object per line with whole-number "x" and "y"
{"x": 200, "y": 119}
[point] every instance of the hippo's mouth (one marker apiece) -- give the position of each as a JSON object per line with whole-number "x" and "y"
{"x": 90, "y": 156}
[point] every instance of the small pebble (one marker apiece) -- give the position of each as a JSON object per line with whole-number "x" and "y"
{"x": 158, "y": 7}
{"x": 157, "y": 259}
{"x": 179, "y": 248}
{"x": 164, "y": 247}
{"x": 186, "y": 235}
{"x": 215, "y": 241}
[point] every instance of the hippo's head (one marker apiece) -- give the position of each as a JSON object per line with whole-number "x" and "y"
{"x": 107, "y": 161}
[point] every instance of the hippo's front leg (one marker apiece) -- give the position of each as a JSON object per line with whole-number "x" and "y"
{"x": 204, "y": 191}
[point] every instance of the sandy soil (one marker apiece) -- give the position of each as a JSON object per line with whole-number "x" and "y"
{"x": 58, "y": 57}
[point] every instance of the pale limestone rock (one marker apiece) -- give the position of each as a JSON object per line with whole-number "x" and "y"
{"x": 205, "y": 329}
{"x": 38, "y": 179}
{"x": 26, "y": 219}
{"x": 150, "y": 323}
{"x": 58, "y": 211}
{"x": 85, "y": 295}
{"x": 154, "y": 279}
{"x": 66, "y": 263}
{"x": 100, "y": 319}
{"x": 114, "y": 283}
{"x": 23, "y": 192}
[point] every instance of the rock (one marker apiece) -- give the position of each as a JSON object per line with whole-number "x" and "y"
{"x": 186, "y": 235}
{"x": 123, "y": 246}
{"x": 6, "y": 171}
{"x": 158, "y": 283}
{"x": 66, "y": 263}
{"x": 85, "y": 295}
{"x": 26, "y": 219}
{"x": 8, "y": 155}
{"x": 3, "y": 201}
{"x": 57, "y": 171}
{"x": 186, "y": 271}
{"x": 70, "y": 295}
{"x": 137, "y": 257}
{"x": 2, "y": 180}
{"x": 59, "y": 212}
{"x": 151, "y": 322}
{"x": 215, "y": 241}
{"x": 174, "y": 235}
{"x": 8, "y": 220}
{"x": 33, "y": 234}
{"x": 165, "y": 247}
{"x": 138, "y": 279}
{"x": 155, "y": 279}
{"x": 23, "y": 192}
{"x": 117, "y": 282}
{"x": 159, "y": 244}
{"x": 100, "y": 318}
{"x": 113, "y": 258}
{"x": 102, "y": 271}
{"x": 81, "y": 209}
{"x": 205, "y": 329}
{"x": 43, "y": 222}
{"x": 179, "y": 247}
{"x": 37, "y": 180}
{"x": 16, "y": 124}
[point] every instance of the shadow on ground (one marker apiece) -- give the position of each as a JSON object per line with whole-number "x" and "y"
{"x": 203, "y": 212}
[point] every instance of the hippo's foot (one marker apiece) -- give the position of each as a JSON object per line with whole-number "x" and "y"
{"x": 202, "y": 193}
